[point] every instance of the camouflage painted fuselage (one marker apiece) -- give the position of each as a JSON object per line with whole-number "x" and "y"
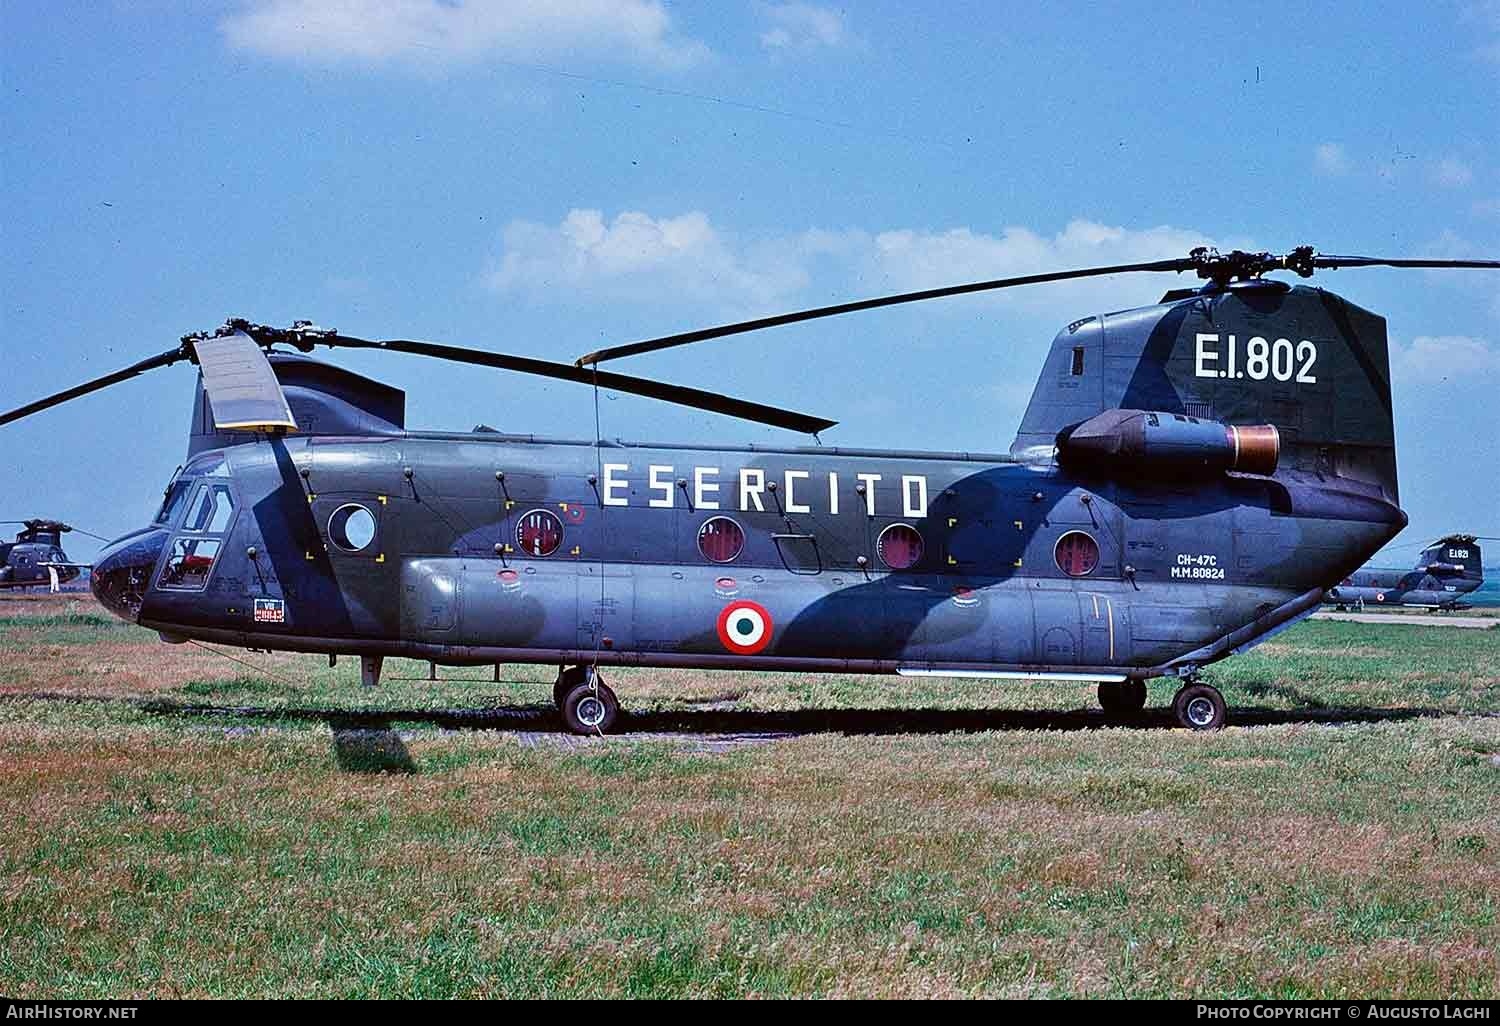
{"x": 1446, "y": 576}
{"x": 1184, "y": 576}
{"x": 1130, "y": 557}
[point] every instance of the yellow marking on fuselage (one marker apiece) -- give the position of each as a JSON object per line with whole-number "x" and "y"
{"x": 1111, "y": 607}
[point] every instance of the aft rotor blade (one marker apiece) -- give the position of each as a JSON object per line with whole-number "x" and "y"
{"x": 150, "y": 363}
{"x": 1335, "y": 262}
{"x": 679, "y": 394}
{"x": 702, "y": 335}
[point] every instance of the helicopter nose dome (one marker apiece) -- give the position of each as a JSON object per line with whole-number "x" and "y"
{"x": 123, "y": 570}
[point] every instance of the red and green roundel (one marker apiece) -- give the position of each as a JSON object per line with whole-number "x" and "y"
{"x": 745, "y": 627}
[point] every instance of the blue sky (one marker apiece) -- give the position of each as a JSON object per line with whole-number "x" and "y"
{"x": 546, "y": 178}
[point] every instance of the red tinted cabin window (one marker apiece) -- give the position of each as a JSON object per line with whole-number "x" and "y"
{"x": 1077, "y": 554}
{"x": 899, "y": 547}
{"x": 539, "y": 533}
{"x": 720, "y": 539}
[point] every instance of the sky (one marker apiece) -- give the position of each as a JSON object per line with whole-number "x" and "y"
{"x": 544, "y": 179}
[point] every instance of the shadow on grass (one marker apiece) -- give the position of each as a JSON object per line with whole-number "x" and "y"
{"x": 544, "y": 719}
{"x": 369, "y": 745}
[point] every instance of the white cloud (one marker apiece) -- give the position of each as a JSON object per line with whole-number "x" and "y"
{"x": 803, "y": 27}
{"x": 1330, "y": 159}
{"x": 643, "y": 258}
{"x": 1333, "y": 160}
{"x": 426, "y": 31}
{"x": 910, "y": 260}
{"x": 1431, "y": 359}
{"x": 1450, "y": 172}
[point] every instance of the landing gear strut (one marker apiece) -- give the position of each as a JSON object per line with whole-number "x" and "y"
{"x": 587, "y": 704}
{"x": 1120, "y": 701}
{"x": 1199, "y": 706}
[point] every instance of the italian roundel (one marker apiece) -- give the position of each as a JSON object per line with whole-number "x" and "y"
{"x": 745, "y": 627}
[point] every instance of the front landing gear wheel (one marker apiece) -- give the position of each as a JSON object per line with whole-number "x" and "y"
{"x": 1122, "y": 700}
{"x": 590, "y": 708}
{"x": 1200, "y": 707}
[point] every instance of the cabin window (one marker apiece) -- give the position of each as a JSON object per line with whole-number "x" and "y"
{"x": 721, "y": 540}
{"x": 899, "y": 547}
{"x": 539, "y": 533}
{"x": 1078, "y": 361}
{"x": 352, "y": 527}
{"x": 1077, "y": 554}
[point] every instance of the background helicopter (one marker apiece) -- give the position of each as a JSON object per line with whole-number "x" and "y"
{"x": 1189, "y": 478}
{"x": 1446, "y": 573}
{"x": 36, "y": 557}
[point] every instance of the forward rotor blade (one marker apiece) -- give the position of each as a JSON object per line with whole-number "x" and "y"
{"x": 243, "y": 392}
{"x": 171, "y": 356}
{"x": 669, "y": 341}
{"x": 1364, "y": 261}
{"x": 679, "y": 394}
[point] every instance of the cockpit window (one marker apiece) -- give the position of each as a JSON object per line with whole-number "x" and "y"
{"x": 210, "y": 512}
{"x": 210, "y": 464}
{"x": 191, "y": 560}
{"x": 211, "y": 509}
{"x": 172, "y": 502}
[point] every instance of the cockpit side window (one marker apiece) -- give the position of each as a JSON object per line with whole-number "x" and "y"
{"x": 172, "y": 501}
{"x": 210, "y": 510}
{"x": 211, "y": 464}
{"x": 201, "y": 536}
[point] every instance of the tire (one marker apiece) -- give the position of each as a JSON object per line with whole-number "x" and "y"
{"x": 568, "y": 678}
{"x": 1200, "y": 707}
{"x": 590, "y": 709}
{"x": 1122, "y": 700}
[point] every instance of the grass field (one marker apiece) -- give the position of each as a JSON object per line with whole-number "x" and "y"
{"x": 179, "y": 824}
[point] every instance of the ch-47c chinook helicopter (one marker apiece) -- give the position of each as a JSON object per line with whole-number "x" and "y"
{"x": 35, "y": 558}
{"x": 1189, "y": 478}
{"x": 1447, "y": 572}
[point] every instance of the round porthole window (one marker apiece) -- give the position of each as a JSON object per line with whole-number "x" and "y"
{"x": 899, "y": 547}
{"x": 352, "y": 527}
{"x": 539, "y": 533}
{"x": 1077, "y": 554}
{"x": 721, "y": 540}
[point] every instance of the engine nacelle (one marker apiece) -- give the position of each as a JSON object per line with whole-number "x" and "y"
{"x": 1142, "y": 441}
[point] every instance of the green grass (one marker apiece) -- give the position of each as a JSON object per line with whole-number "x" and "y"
{"x": 180, "y": 824}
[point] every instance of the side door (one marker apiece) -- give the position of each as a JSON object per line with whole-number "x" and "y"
{"x": 359, "y": 535}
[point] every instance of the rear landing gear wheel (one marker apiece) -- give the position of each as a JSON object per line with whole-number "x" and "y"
{"x": 1123, "y": 700}
{"x": 568, "y": 678}
{"x": 590, "y": 708}
{"x": 1200, "y": 707}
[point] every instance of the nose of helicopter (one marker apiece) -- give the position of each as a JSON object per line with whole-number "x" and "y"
{"x": 123, "y": 569}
